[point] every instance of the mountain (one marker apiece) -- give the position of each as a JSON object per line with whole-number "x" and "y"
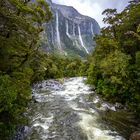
{"x": 69, "y": 32}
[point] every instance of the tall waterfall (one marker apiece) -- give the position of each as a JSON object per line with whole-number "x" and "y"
{"x": 57, "y": 32}
{"x": 67, "y": 29}
{"x": 92, "y": 29}
{"x": 52, "y": 34}
{"x": 73, "y": 29}
{"x": 81, "y": 41}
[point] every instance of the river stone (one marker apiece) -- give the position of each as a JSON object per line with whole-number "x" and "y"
{"x": 135, "y": 136}
{"x": 119, "y": 106}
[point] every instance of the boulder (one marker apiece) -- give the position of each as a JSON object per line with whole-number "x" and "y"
{"x": 135, "y": 136}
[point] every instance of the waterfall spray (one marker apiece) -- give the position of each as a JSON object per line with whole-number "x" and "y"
{"x": 57, "y": 32}
{"x": 73, "y": 29}
{"x": 91, "y": 26}
{"x": 81, "y": 41}
{"x": 67, "y": 29}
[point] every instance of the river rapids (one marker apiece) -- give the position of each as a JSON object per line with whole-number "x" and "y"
{"x": 70, "y": 110}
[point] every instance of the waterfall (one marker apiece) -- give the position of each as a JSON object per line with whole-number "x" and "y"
{"x": 67, "y": 29}
{"x": 77, "y": 44}
{"x": 57, "y": 32}
{"x": 52, "y": 34}
{"x": 73, "y": 29}
{"x": 81, "y": 41}
{"x": 92, "y": 29}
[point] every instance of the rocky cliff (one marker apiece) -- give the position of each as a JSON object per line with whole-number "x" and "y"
{"x": 69, "y": 32}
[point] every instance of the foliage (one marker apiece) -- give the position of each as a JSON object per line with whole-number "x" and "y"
{"x": 115, "y": 63}
{"x": 21, "y": 22}
{"x": 58, "y": 66}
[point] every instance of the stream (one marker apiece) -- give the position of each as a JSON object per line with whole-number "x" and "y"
{"x": 71, "y": 110}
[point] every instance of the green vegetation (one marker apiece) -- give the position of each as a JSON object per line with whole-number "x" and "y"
{"x": 59, "y": 66}
{"x": 113, "y": 67}
{"x": 115, "y": 63}
{"x": 20, "y": 26}
{"x": 22, "y": 62}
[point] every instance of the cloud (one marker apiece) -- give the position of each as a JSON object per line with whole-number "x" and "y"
{"x": 94, "y": 8}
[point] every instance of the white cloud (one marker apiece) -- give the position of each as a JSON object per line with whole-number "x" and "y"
{"x": 94, "y": 8}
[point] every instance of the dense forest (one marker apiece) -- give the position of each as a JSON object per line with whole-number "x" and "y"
{"x": 113, "y": 67}
{"x": 115, "y": 63}
{"x": 20, "y": 58}
{"x": 22, "y": 62}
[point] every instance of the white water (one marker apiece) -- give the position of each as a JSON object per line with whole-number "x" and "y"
{"x": 67, "y": 29}
{"x": 81, "y": 40}
{"x": 92, "y": 29}
{"x": 57, "y": 32}
{"x": 77, "y": 44}
{"x": 73, "y": 29}
{"x": 90, "y": 126}
{"x": 52, "y": 35}
{"x": 63, "y": 112}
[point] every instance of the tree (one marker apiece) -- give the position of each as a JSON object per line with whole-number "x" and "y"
{"x": 114, "y": 64}
{"x": 21, "y": 22}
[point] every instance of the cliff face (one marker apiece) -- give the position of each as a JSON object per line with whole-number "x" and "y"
{"x": 69, "y": 32}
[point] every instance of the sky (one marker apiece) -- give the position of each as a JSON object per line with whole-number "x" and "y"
{"x": 94, "y": 8}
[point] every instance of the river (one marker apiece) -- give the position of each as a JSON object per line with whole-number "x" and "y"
{"x": 71, "y": 110}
